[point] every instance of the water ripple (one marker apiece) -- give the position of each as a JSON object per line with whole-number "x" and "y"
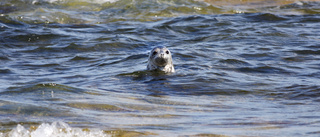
{"x": 85, "y": 63}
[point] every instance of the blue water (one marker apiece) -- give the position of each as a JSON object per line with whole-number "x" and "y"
{"x": 78, "y": 68}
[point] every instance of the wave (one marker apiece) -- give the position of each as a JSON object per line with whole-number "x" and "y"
{"x": 106, "y": 11}
{"x": 62, "y": 129}
{"x": 56, "y": 129}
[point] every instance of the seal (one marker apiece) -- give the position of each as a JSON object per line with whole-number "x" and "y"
{"x": 160, "y": 59}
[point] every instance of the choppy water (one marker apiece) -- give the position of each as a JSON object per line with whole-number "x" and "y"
{"x": 77, "y": 68}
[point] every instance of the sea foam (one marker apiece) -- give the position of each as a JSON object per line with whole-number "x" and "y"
{"x": 56, "y": 129}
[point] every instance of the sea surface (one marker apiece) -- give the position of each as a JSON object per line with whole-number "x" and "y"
{"x": 77, "y": 68}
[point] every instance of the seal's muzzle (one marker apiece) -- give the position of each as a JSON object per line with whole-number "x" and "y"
{"x": 161, "y": 61}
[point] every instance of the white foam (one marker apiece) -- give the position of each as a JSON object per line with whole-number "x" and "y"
{"x": 56, "y": 129}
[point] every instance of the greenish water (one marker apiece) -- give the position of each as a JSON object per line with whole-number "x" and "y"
{"x": 78, "y": 68}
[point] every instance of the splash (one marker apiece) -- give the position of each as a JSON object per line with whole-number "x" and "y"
{"x": 56, "y": 129}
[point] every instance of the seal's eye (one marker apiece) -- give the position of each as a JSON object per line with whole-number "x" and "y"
{"x": 167, "y": 51}
{"x": 154, "y": 53}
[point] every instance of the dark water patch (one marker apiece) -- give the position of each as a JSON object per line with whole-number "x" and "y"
{"x": 315, "y": 74}
{"x": 302, "y": 92}
{"x": 276, "y": 34}
{"x": 185, "y": 56}
{"x": 212, "y": 37}
{"x": 5, "y": 71}
{"x": 39, "y": 36}
{"x": 85, "y": 60}
{"x": 4, "y": 57}
{"x": 310, "y": 19}
{"x": 315, "y": 66}
{"x": 234, "y": 62}
{"x": 224, "y": 20}
{"x": 264, "y": 69}
{"x": 259, "y": 56}
{"x": 299, "y": 92}
{"x": 264, "y": 49}
{"x": 307, "y": 52}
{"x": 229, "y": 31}
{"x": 295, "y": 59}
{"x": 66, "y": 48}
{"x": 314, "y": 133}
{"x": 266, "y": 17}
{"x": 189, "y": 67}
{"x": 313, "y": 47}
{"x": 188, "y": 24}
{"x": 118, "y": 44}
{"x": 41, "y": 88}
{"x": 81, "y": 58}
{"x": 211, "y": 80}
{"x": 126, "y": 59}
{"x": 47, "y": 65}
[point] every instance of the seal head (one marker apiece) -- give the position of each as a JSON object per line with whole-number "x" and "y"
{"x": 160, "y": 59}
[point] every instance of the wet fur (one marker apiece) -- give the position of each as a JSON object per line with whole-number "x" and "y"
{"x": 160, "y": 58}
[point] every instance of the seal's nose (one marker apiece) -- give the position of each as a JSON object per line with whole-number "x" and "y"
{"x": 162, "y": 55}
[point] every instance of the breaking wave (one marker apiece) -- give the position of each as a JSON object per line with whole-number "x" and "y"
{"x": 56, "y": 129}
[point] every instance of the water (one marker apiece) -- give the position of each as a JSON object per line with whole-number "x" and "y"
{"x": 77, "y": 68}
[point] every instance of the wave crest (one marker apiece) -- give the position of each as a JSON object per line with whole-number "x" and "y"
{"x": 56, "y": 129}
